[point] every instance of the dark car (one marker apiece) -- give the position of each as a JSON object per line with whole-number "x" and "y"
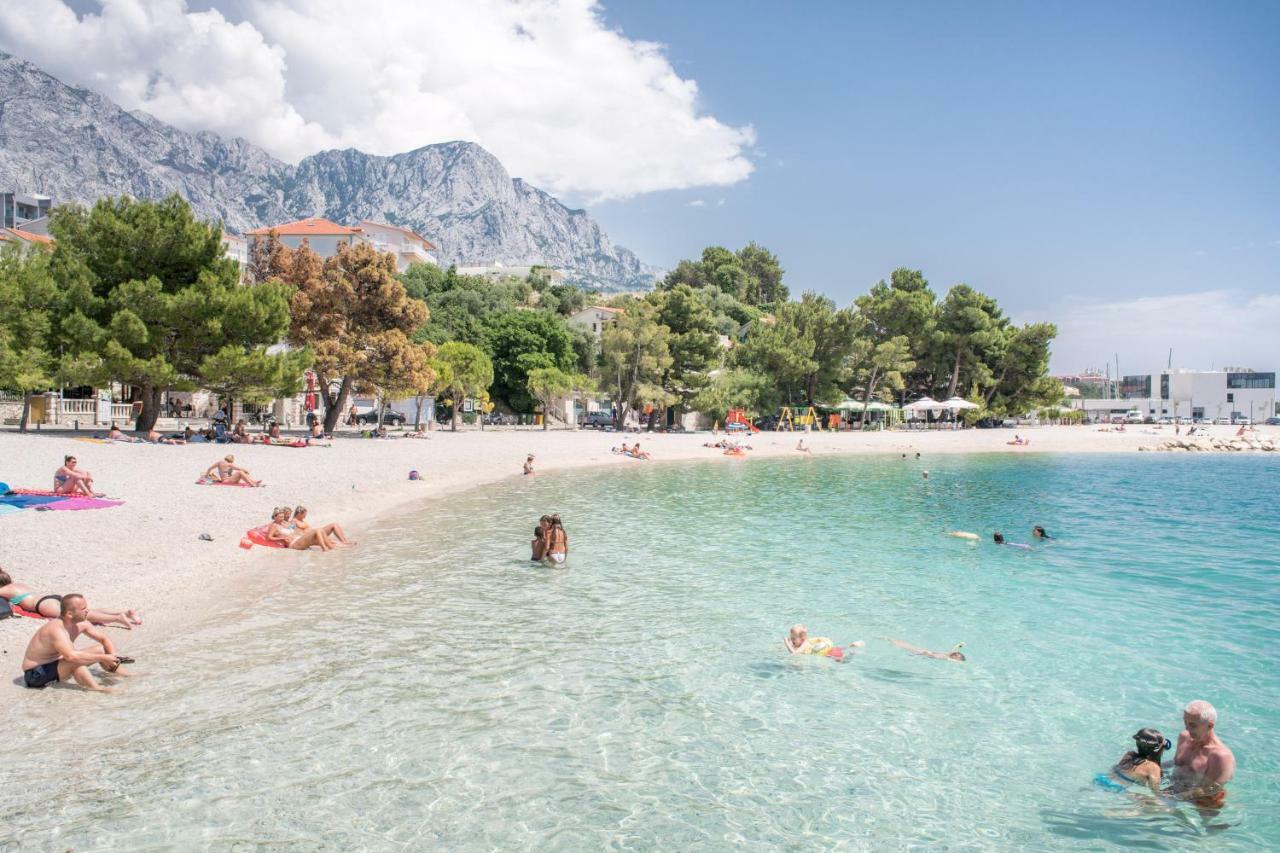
{"x": 1273, "y": 421}
{"x": 391, "y": 418}
{"x": 766, "y": 422}
{"x": 596, "y": 420}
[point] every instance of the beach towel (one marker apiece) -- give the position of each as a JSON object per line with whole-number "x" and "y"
{"x": 22, "y": 611}
{"x": 71, "y": 504}
{"x": 22, "y": 501}
{"x": 209, "y": 481}
{"x": 258, "y": 536}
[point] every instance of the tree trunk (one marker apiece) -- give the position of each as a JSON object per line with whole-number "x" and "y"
{"x": 333, "y": 406}
{"x": 546, "y": 415}
{"x": 986, "y": 401}
{"x": 457, "y": 410}
{"x": 417, "y": 412}
{"x": 26, "y": 412}
{"x": 866, "y": 397}
{"x": 955, "y": 377}
{"x": 150, "y": 411}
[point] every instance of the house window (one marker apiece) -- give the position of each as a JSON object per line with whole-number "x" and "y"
{"x": 1251, "y": 380}
{"x": 1231, "y": 398}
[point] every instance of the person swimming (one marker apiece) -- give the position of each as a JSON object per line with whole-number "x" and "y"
{"x": 963, "y": 534}
{"x": 998, "y": 538}
{"x": 1139, "y": 766}
{"x": 798, "y": 642}
{"x": 1038, "y": 532}
{"x": 953, "y": 655}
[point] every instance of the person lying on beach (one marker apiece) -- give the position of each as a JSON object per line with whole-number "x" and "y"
{"x": 284, "y": 533}
{"x": 557, "y": 541}
{"x": 801, "y": 447}
{"x": 1140, "y": 765}
{"x": 114, "y": 434}
{"x": 624, "y": 450}
{"x": 953, "y": 655}
{"x": 963, "y": 534}
{"x": 1038, "y": 532}
{"x": 332, "y": 529}
{"x": 225, "y": 470}
{"x": 49, "y": 606}
{"x": 998, "y": 538}
{"x": 52, "y": 656}
{"x": 528, "y": 466}
{"x": 70, "y": 480}
{"x": 1019, "y": 440}
{"x": 637, "y": 453}
{"x": 154, "y": 437}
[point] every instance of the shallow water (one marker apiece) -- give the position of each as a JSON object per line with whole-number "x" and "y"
{"x": 433, "y": 688}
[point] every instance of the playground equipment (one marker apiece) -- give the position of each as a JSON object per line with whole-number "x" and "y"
{"x": 792, "y": 418}
{"x": 737, "y": 420}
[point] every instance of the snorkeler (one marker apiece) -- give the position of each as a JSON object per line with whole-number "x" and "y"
{"x": 953, "y": 655}
{"x": 1139, "y": 766}
{"x": 998, "y": 538}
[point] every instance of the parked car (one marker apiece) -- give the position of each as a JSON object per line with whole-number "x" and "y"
{"x": 1165, "y": 421}
{"x": 1273, "y": 421}
{"x": 1222, "y": 421}
{"x": 391, "y": 418}
{"x": 596, "y": 420}
{"x": 1241, "y": 420}
{"x": 499, "y": 419}
{"x": 1133, "y": 416}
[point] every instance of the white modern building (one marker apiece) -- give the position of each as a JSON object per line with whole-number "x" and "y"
{"x": 26, "y": 211}
{"x": 236, "y": 248}
{"x": 499, "y": 270}
{"x": 408, "y": 247}
{"x": 1233, "y": 393}
{"x": 324, "y": 238}
{"x": 594, "y": 318}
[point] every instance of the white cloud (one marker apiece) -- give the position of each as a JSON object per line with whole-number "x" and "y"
{"x": 563, "y": 100}
{"x": 697, "y": 202}
{"x": 1215, "y": 327}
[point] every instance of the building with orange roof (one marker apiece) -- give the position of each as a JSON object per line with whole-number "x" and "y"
{"x": 324, "y": 237}
{"x": 24, "y": 238}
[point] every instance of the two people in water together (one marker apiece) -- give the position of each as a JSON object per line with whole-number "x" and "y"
{"x": 1037, "y": 533}
{"x": 1202, "y": 764}
{"x": 550, "y": 541}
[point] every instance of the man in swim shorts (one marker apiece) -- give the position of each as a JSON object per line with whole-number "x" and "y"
{"x": 1203, "y": 764}
{"x": 52, "y": 656}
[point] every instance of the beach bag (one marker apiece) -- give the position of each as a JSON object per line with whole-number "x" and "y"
{"x": 5, "y": 610}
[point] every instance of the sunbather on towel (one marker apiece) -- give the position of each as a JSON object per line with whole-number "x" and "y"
{"x": 52, "y": 656}
{"x": 284, "y": 533}
{"x": 114, "y": 434}
{"x": 225, "y": 470}
{"x": 21, "y": 595}
{"x": 69, "y": 480}
{"x": 156, "y": 438}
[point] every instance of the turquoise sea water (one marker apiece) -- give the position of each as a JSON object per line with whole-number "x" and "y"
{"x": 433, "y": 689}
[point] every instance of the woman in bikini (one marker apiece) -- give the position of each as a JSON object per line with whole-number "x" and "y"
{"x": 557, "y": 542}
{"x": 1141, "y": 765}
{"x": 300, "y": 525}
{"x": 284, "y": 533}
{"x": 225, "y": 470}
{"x": 68, "y": 480}
{"x": 50, "y": 606}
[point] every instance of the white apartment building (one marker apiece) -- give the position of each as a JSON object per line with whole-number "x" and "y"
{"x": 408, "y": 247}
{"x": 236, "y": 248}
{"x": 324, "y": 238}
{"x": 593, "y": 318}
{"x": 1233, "y": 393}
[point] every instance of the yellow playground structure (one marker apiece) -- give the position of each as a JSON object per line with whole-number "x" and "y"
{"x": 798, "y": 417}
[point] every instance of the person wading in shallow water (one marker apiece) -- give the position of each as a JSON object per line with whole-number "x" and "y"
{"x": 557, "y": 542}
{"x": 1203, "y": 765}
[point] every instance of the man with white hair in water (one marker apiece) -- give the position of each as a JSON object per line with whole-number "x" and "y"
{"x": 1203, "y": 765}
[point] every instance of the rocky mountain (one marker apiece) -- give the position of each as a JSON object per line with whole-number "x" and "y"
{"x": 76, "y": 145}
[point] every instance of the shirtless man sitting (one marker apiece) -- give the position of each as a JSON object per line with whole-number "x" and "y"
{"x": 52, "y": 656}
{"x": 1203, "y": 765}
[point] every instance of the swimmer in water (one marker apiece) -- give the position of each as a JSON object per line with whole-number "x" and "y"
{"x": 1141, "y": 765}
{"x": 798, "y": 642}
{"x": 953, "y": 655}
{"x": 1038, "y": 532}
{"x": 924, "y": 474}
{"x": 963, "y": 534}
{"x": 998, "y": 538}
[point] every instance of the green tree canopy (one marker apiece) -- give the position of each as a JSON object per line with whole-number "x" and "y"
{"x": 521, "y": 341}
{"x": 462, "y": 371}
{"x": 635, "y": 356}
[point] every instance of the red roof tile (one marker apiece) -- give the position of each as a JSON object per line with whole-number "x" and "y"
{"x": 309, "y": 227}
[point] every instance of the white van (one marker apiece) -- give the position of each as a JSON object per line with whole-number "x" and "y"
{"x": 1133, "y": 416}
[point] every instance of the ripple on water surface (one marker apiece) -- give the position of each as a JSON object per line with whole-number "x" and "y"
{"x": 435, "y": 688}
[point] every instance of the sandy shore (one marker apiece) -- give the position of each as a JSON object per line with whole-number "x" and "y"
{"x": 148, "y": 554}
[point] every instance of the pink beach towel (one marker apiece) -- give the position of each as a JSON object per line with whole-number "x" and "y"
{"x": 71, "y": 504}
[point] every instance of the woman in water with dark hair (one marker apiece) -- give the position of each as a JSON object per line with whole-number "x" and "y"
{"x": 1139, "y": 766}
{"x": 557, "y": 542}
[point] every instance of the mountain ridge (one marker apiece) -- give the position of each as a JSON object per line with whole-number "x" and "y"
{"x": 77, "y": 145}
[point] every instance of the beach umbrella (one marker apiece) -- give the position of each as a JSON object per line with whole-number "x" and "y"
{"x": 958, "y": 404}
{"x": 924, "y": 404}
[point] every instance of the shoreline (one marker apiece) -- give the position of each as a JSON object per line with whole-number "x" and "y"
{"x": 147, "y": 553}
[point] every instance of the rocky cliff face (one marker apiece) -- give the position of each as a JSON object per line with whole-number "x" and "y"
{"x": 76, "y": 145}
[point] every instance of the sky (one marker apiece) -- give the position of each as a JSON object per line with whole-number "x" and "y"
{"x": 1110, "y": 167}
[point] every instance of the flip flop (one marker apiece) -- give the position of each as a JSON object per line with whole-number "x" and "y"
{"x": 205, "y": 537}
